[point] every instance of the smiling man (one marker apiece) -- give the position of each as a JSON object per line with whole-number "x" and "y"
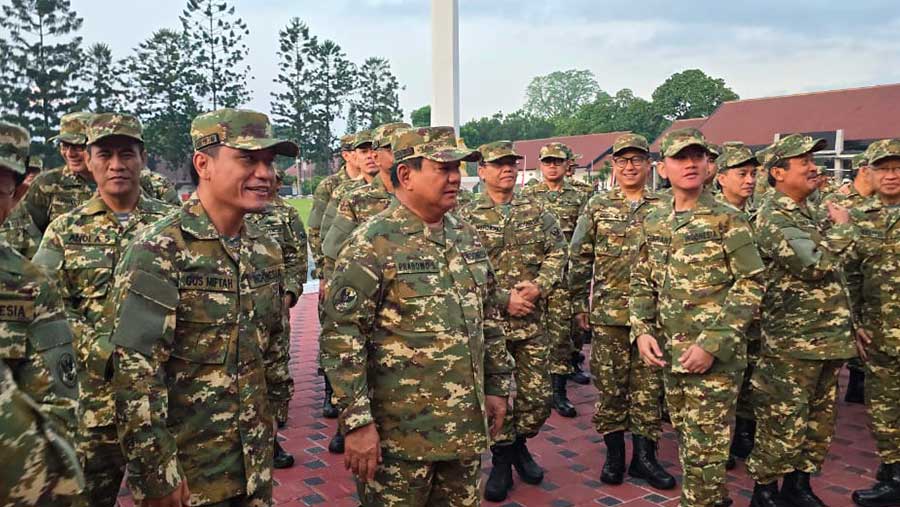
{"x": 199, "y": 299}
{"x": 81, "y": 248}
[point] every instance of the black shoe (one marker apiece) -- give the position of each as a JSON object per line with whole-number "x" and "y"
{"x": 856, "y": 387}
{"x": 883, "y": 473}
{"x": 767, "y": 495}
{"x": 744, "y": 438}
{"x": 725, "y": 502}
{"x": 500, "y": 481}
{"x": 614, "y": 468}
{"x": 282, "y": 424}
{"x": 281, "y": 458}
{"x": 731, "y": 462}
{"x": 882, "y": 494}
{"x": 336, "y": 445}
{"x": 528, "y": 470}
{"x": 329, "y": 411}
{"x": 578, "y": 375}
{"x": 644, "y": 464}
{"x": 795, "y": 489}
{"x": 561, "y": 402}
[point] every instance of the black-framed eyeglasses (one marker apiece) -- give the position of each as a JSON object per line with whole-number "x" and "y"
{"x": 622, "y": 162}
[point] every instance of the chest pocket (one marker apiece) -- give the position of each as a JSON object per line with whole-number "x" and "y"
{"x": 90, "y": 269}
{"x": 421, "y": 301}
{"x": 491, "y": 235}
{"x": 206, "y": 318}
{"x": 529, "y": 238}
{"x": 703, "y": 256}
{"x": 264, "y": 300}
{"x": 610, "y": 234}
{"x": 64, "y": 202}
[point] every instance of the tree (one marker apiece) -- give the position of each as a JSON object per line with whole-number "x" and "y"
{"x": 560, "y": 94}
{"x": 690, "y": 94}
{"x": 513, "y": 127}
{"x": 42, "y": 56}
{"x": 421, "y": 117}
{"x": 161, "y": 91}
{"x": 331, "y": 81}
{"x": 103, "y": 80}
{"x": 377, "y": 100}
{"x": 621, "y": 112}
{"x": 291, "y": 107}
{"x": 217, "y": 48}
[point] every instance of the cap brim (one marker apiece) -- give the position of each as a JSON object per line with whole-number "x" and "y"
{"x": 455, "y": 155}
{"x": 513, "y": 155}
{"x": 679, "y": 147}
{"x": 281, "y": 146}
{"x": 879, "y": 158}
{"x": 818, "y": 145}
{"x": 12, "y": 165}
{"x": 631, "y": 147}
{"x": 558, "y": 156}
{"x": 106, "y": 136}
{"x": 740, "y": 162}
{"x": 69, "y": 138}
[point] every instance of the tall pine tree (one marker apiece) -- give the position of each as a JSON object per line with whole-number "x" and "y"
{"x": 216, "y": 41}
{"x": 291, "y": 108}
{"x": 377, "y": 97}
{"x": 102, "y": 90}
{"x": 331, "y": 77}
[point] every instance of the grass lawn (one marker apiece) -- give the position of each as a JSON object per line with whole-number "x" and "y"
{"x": 303, "y": 206}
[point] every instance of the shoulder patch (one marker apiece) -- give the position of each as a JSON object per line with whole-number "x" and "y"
{"x": 345, "y": 299}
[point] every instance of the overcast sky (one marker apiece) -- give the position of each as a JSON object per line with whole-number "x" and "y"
{"x": 768, "y": 47}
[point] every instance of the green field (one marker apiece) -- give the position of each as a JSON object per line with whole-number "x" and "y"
{"x": 303, "y": 206}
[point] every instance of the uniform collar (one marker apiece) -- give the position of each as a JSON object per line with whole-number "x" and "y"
{"x": 484, "y": 200}
{"x": 69, "y": 176}
{"x": 616, "y": 194}
{"x": 196, "y": 222}
{"x": 411, "y": 224}
{"x": 98, "y": 205}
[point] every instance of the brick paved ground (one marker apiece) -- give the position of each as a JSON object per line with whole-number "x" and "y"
{"x": 568, "y": 449}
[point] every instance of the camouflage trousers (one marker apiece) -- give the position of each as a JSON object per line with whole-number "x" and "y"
{"x": 702, "y": 407}
{"x": 531, "y": 405}
{"x": 795, "y": 415}
{"x": 402, "y": 483}
{"x": 883, "y": 402}
{"x": 628, "y": 390}
{"x": 103, "y": 464}
{"x": 745, "y": 403}
{"x": 558, "y": 325}
{"x": 283, "y": 342}
{"x": 259, "y": 499}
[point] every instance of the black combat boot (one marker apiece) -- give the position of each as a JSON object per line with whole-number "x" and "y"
{"x": 885, "y": 492}
{"x": 795, "y": 489}
{"x": 336, "y": 445}
{"x": 644, "y": 464}
{"x": 329, "y": 411}
{"x": 282, "y": 458}
{"x": 561, "y": 402}
{"x": 725, "y": 502}
{"x": 744, "y": 438}
{"x": 614, "y": 469}
{"x": 884, "y": 472}
{"x": 767, "y": 495}
{"x": 730, "y": 463}
{"x": 578, "y": 375}
{"x": 856, "y": 387}
{"x": 500, "y": 481}
{"x": 528, "y": 470}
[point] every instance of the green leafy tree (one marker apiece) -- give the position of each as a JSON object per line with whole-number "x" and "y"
{"x": 513, "y": 127}
{"x": 620, "y": 112}
{"x": 216, "y": 37}
{"x": 560, "y": 94}
{"x": 103, "y": 89}
{"x": 331, "y": 78}
{"x": 162, "y": 80}
{"x": 690, "y": 94}
{"x": 41, "y": 58}
{"x": 421, "y": 117}
{"x": 291, "y": 103}
{"x": 377, "y": 98}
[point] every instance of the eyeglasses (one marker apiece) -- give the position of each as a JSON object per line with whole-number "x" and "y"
{"x": 622, "y": 162}
{"x": 555, "y": 162}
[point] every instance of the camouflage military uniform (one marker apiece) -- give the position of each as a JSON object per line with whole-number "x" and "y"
{"x": 159, "y": 187}
{"x": 321, "y": 198}
{"x": 698, "y": 281}
{"x": 523, "y": 243}
{"x": 358, "y": 205}
{"x": 603, "y": 250}
{"x": 565, "y": 204}
{"x": 806, "y": 338}
{"x": 81, "y": 247}
{"x": 281, "y": 222}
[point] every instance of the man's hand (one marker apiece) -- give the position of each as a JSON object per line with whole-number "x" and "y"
{"x": 649, "y": 349}
{"x": 287, "y": 301}
{"x": 528, "y": 290}
{"x": 362, "y": 452}
{"x": 582, "y": 320}
{"x": 518, "y": 306}
{"x": 696, "y": 360}
{"x": 863, "y": 339}
{"x": 179, "y": 497}
{"x": 838, "y": 214}
{"x": 496, "y": 412}
{"x": 323, "y": 286}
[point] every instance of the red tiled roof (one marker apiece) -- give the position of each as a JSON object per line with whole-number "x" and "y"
{"x": 591, "y": 147}
{"x": 677, "y": 124}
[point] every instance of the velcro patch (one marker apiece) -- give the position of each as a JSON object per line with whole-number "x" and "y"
{"x": 264, "y": 277}
{"x": 77, "y": 238}
{"x": 16, "y": 310}
{"x": 695, "y": 237}
{"x": 664, "y": 240}
{"x": 417, "y": 266}
{"x": 475, "y": 255}
{"x": 206, "y": 281}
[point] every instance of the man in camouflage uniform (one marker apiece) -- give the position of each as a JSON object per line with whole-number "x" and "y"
{"x": 81, "y": 248}
{"x": 559, "y": 196}
{"x": 604, "y": 248}
{"x": 570, "y": 175}
{"x": 34, "y": 167}
{"x": 805, "y": 327}
{"x": 695, "y": 288}
{"x": 874, "y": 283}
{"x": 281, "y": 222}
{"x": 528, "y": 252}
{"x": 736, "y": 179}
{"x": 159, "y": 187}
{"x": 412, "y": 342}
{"x": 197, "y": 376}
{"x": 37, "y": 417}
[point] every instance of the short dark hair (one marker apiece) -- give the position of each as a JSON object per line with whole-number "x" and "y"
{"x": 782, "y": 163}
{"x": 413, "y": 163}
{"x": 210, "y": 151}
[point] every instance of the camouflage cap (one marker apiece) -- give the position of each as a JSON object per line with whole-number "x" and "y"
{"x": 279, "y": 174}
{"x": 734, "y": 154}
{"x": 35, "y": 162}
{"x": 106, "y": 125}
{"x": 714, "y": 151}
{"x": 763, "y": 155}
{"x": 555, "y": 150}
{"x": 347, "y": 142}
{"x": 675, "y": 141}
{"x": 14, "y": 144}
{"x": 860, "y": 159}
{"x": 497, "y": 150}
{"x": 630, "y": 141}
{"x": 884, "y": 149}
{"x": 381, "y": 136}
{"x": 241, "y": 129}
{"x": 792, "y": 146}
{"x": 361, "y": 138}
{"x": 434, "y": 143}
{"x": 73, "y": 128}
